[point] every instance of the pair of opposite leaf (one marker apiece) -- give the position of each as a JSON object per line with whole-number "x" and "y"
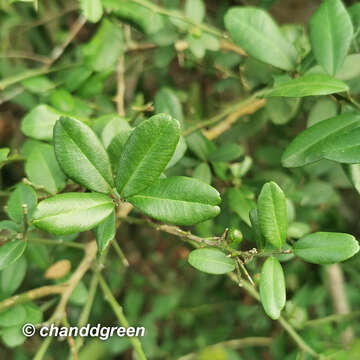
{"x": 144, "y": 157}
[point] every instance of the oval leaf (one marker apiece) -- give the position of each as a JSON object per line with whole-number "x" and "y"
{"x": 211, "y": 261}
{"x": 10, "y": 252}
{"x": 272, "y": 214}
{"x": 272, "y": 288}
{"x": 105, "y": 232}
{"x": 166, "y": 101}
{"x": 178, "y": 200}
{"x": 256, "y": 32}
{"x": 82, "y": 156}
{"x": 146, "y": 154}
{"x": 309, "y": 85}
{"x": 326, "y": 248}
{"x": 72, "y": 212}
{"x": 92, "y": 9}
{"x": 42, "y": 168}
{"x": 39, "y": 122}
{"x": 309, "y": 146}
{"x": 331, "y": 32}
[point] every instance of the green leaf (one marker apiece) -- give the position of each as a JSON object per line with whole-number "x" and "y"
{"x": 146, "y": 154}
{"x": 255, "y": 225}
{"x": 345, "y": 149}
{"x": 116, "y": 147}
{"x": 39, "y": 122}
{"x": 166, "y": 101}
{"x": 200, "y": 145}
{"x": 203, "y": 172}
{"x": 309, "y": 145}
{"x": 12, "y": 277}
{"x": 103, "y": 50}
{"x": 353, "y": 173}
{"x": 272, "y": 288}
{"x": 195, "y": 10}
{"x": 22, "y": 195}
{"x": 323, "y": 109}
{"x": 239, "y": 203}
{"x": 38, "y": 84}
{"x": 255, "y": 31}
{"x": 309, "y": 85}
{"x": 10, "y": 252}
{"x": 82, "y": 156}
{"x": 92, "y": 9}
{"x": 12, "y": 336}
{"x": 115, "y": 126}
{"x": 72, "y": 212}
{"x": 42, "y": 168}
{"x": 272, "y": 214}
{"x": 178, "y": 200}
{"x": 227, "y": 152}
{"x": 15, "y": 315}
{"x": 326, "y": 247}
{"x": 105, "y": 232}
{"x": 281, "y": 110}
{"x": 211, "y": 261}
{"x": 179, "y": 153}
{"x": 331, "y": 32}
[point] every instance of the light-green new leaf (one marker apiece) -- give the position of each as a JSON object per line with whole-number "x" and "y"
{"x": 326, "y": 247}
{"x": 308, "y": 85}
{"x": 312, "y": 144}
{"x": 211, "y": 261}
{"x": 146, "y": 154}
{"x": 331, "y": 31}
{"x": 72, "y": 212}
{"x": 272, "y": 214}
{"x": 272, "y": 288}
{"x": 256, "y": 32}
{"x": 178, "y": 200}
{"x": 82, "y": 156}
{"x": 92, "y": 9}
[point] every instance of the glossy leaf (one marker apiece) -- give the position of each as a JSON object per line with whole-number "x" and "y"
{"x": 92, "y": 9}
{"x": 256, "y": 32}
{"x": 331, "y": 32}
{"x": 22, "y": 195}
{"x": 39, "y": 122}
{"x": 272, "y": 214}
{"x": 114, "y": 126}
{"x": 309, "y": 145}
{"x": 326, "y": 247}
{"x": 105, "y": 232}
{"x": 116, "y": 147}
{"x": 353, "y": 173}
{"x": 72, "y": 212}
{"x": 42, "y": 168}
{"x": 309, "y": 85}
{"x": 81, "y": 155}
{"x": 10, "y": 252}
{"x": 146, "y": 154}
{"x": 272, "y": 288}
{"x": 178, "y": 200}
{"x": 103, "y": 50}
{"x": 211, "y": 261}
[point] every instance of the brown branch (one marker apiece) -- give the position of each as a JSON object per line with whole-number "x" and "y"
{"x": 337, "y": 291}
{"x": 90, "y": 254}
{"x": 32, "y": 295}
{"x": 119, "y": 98}
{"x": 225, "y": 125}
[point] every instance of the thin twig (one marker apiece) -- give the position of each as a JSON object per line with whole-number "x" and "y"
{"x": 118, "y": 310}
{"x": 120, "y": 95}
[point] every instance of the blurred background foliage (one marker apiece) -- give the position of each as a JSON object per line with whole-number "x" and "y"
{"x": 82, "y": 59}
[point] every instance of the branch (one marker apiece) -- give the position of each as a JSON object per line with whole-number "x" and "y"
{"x": 90, "y": 254}
{"x": 119, "y": 98}
{"x": 118, "y": 310}
{"x": 31, "y": 295}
